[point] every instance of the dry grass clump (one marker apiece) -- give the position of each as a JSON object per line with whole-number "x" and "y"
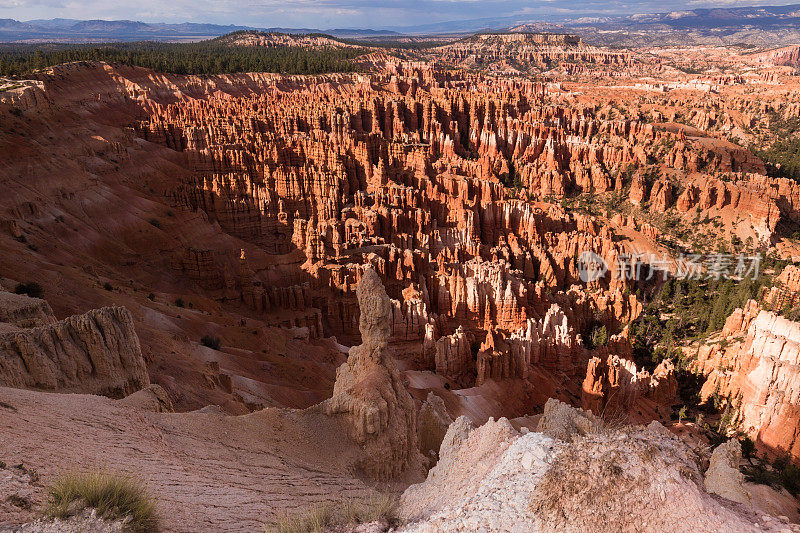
{"x": 579, "y": 480}
{"x": 316, "y": 520}
{"x": 632, "y": 472}
{"x": 320, "y": 518}
{"x": 113, "y": 496}
{"x": 377, "y": 507}
{"x": 613, "y": 420}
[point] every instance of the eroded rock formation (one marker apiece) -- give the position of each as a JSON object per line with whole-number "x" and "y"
{"x": 433, "y": 422}
{"x": 369, "y": 392}
{"x": 612, "y": 385}
{"x": 540, "y": 50}
{"x": 723, "y": 476}
{"x": 21, "y": 311}
{"x": 453, "y": 354}
{"x": 563, "y": 422}
{"x": 757, "y": 373}
{"x": 96, "y": 353}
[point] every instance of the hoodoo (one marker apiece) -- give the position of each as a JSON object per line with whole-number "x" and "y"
{"x": 369, "y": 391}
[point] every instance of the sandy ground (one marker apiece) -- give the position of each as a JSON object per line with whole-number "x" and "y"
{"x": 209, "y": 471}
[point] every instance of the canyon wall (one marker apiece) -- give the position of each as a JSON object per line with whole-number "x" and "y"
{"x": 268, "y": 196}
{"x": 756, "y": 370}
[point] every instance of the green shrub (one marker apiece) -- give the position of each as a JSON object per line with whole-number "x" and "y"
{"x": 748, "y": 447}
{"x": 31, "y": 288}
{"x": 113, "y": 496}
{"x": 790, "y": 478}
{"x": 599, "y": 335}
{"x": 210, "y": 341}
{"x": 179, "y": 302}
{"x": 761, "y": 476}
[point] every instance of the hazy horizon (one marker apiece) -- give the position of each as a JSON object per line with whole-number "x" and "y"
{"x": 337, "y": 13}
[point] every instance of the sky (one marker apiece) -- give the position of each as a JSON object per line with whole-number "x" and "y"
{"x": 325, "y": 14}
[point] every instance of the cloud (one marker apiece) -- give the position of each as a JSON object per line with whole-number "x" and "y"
{"x": 25, "y": 4}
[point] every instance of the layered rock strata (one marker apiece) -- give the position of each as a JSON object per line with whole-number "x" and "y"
{"x": 757, "y": 373}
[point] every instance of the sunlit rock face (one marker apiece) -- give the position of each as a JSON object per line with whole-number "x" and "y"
{"x": 758, "y": 371}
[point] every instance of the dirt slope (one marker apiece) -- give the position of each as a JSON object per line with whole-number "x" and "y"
{"x": 209, "y": 471}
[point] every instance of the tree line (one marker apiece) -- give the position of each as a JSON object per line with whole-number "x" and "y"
{"x": 781, "y": 151}
{"x": 202, "y": 58}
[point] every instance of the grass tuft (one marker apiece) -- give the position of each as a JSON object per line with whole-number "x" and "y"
{"x": 315, "y": 520}
{"x": 113, "y": 496}
{"x": 377, "y": 507}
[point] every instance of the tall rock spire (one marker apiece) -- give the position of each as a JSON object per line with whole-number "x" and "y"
{"x": 369, "y": 392}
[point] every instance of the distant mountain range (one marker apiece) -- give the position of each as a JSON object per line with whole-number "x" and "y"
{"x": 762, "y": 26}
{"x": 764, "y": 16}
{"x": 765, "y": 26}
{"x": 71, "y": 30}
{"x": 753, "y": 26}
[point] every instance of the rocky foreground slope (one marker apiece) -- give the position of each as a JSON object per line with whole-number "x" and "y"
{"x": 211, "y": 470}
{"x": 218, "y": 472}
{"x": 207, "y": 470}
{"x": 572, "y": 474}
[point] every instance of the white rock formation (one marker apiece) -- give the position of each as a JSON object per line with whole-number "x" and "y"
{"x": 493, "y": 478}
{"x": 723, "y": 476}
